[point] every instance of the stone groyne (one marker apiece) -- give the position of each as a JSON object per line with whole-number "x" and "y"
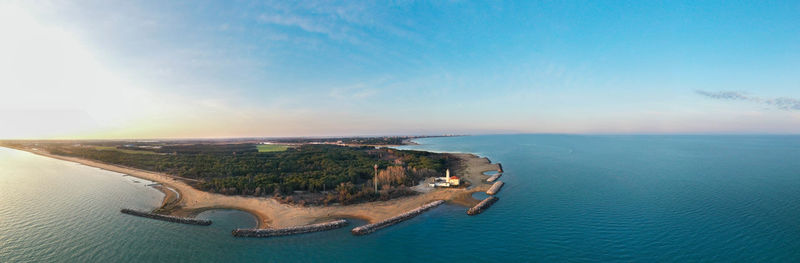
{"x": 366, "y": 229}
{"x": 289, "y": 230}
{"x": 494, "y": 177}
{"x": 483, "y": 205}
{"x": 175, "y": 219}
{"x": 495, "y": 188}
{"x": 499, "y": 167}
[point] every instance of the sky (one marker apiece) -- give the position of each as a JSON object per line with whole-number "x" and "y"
{"x": 206, "y": 69}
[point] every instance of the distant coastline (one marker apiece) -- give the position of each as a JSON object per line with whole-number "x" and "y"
{"x": 187, "y": 201}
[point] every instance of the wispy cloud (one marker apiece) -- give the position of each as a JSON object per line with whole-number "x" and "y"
{"x": 725, "y": 95}
{"x": 782, "y": 103}
{"x": 353, "y": 22}
{"x": 361, "y": 90}
{"x": 304, "y": 23}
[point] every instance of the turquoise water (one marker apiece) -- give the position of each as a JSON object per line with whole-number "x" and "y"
{"x": 567, "y": 198}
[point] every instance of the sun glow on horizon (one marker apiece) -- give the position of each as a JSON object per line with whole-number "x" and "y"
{"x": 53, "y": 86}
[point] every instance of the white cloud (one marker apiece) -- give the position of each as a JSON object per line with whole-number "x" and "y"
{"x": 782, "y": 103}
{"x": 304, "y": 23}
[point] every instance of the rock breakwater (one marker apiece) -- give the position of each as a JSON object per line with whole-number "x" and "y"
{"x": 482, "y": 206}
{"x": 366, "y": 229}
{"x": 289, "y": 230}
{"x": 174, "y": 219}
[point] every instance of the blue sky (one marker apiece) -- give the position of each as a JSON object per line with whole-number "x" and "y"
{"x": 281, "y": 68}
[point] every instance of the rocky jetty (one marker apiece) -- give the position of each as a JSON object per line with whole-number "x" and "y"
{"x": 366, "y": 229}
{"x": 499, "y": 167}
{"x": 483, "y": 205}
{"x": 495, "y": 188}
{"x": 174, "y": 219}
{"x": 273, "y": 232}
{"x": 494, "y": 177}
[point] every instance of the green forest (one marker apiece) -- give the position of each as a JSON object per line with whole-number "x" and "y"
{"x": 337, "y": 173}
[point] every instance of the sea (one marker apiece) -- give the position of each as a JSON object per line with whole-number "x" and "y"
{"x": 567, "y": 198}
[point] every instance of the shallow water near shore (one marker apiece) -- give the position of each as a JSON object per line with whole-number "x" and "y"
{"x": 566, "y": 198}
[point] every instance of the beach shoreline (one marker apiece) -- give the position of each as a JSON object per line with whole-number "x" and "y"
{"x": 186, "y": 201}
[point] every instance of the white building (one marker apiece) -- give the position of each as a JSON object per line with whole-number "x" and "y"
{"x": 446, "y": 181}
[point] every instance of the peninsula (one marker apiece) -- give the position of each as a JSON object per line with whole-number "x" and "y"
{"x": 326, "y": 181}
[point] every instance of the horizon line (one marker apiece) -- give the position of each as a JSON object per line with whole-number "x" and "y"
{"x": 410, "y": 135}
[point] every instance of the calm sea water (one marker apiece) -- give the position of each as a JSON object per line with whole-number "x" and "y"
{"x": 567, "y": 198}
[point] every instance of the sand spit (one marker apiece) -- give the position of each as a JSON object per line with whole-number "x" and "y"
{"x": 270, "y": 213}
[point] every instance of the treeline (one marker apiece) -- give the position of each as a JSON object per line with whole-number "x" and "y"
{"x": 196, "y": 148}
{"x": 391, "y": 140}
{"x": 343, "y": 174}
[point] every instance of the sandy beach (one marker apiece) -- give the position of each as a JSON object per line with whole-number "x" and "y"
{"x": 188, "y": 201}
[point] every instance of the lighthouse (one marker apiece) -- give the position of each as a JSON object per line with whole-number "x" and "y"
{"x": 446, "y": 181}
{"x": 451, "y": 180}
